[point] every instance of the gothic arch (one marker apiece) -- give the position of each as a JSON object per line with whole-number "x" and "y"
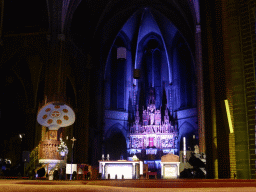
{"x": 183, "y": 73}
{"x": 143, "y": 43}
{"x": 179, "y": 38}
{"x": 115, "y": 142}
{"x": 33, "y": 54}
{"x": 116, "y": 20}
{"x": 121, "y": 40}
{"x": 186, "y": 130}
{"x": 117, "y": 126}
{"x": 24, "y": 73}
{"x": 126, "y": 41}
{"x": 110, "y": 24}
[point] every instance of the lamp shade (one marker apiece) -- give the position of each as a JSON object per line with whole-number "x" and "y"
{"x": 121, "y": 53}
{"x": 136, "y": 73}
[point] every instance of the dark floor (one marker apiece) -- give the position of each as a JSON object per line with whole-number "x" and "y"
{"x": 129, "y": 185}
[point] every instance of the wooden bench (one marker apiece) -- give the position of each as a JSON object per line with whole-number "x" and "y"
{"x": 151, "y": 173}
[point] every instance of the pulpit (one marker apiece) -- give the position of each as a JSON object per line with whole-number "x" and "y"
{"x": 53, "y": 115}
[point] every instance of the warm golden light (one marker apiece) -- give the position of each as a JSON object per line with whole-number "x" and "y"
{"x": 229, "y": 117}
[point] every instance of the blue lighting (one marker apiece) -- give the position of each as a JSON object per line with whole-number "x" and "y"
{"x": 159, "y": 51}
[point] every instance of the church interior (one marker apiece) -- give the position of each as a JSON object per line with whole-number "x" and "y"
{"x": 124, "y": 78}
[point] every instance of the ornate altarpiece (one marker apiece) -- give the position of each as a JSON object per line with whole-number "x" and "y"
{"x": 151, "y": 134}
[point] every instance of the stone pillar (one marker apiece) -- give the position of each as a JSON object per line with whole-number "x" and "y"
{"x": 82, "y": 132}
{"x": 55, "y": 86}
{"x": 229, "y": 88}
{"x": 209, "y": 83}
{"x": 30, "y": 135}
{"x": 200, "y": 91}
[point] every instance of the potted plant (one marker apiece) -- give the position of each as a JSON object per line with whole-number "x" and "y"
{"x": 62, "y": 148}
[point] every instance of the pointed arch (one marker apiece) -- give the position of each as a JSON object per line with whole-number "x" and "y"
{"x": 186, "y": 130}
{"x": 115, "y": 142}
{"x": 115, "y": 127}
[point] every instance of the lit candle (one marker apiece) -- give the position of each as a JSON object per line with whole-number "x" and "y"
{"x": 184, "y": 145}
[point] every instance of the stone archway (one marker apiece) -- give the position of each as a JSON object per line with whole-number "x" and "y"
{"x": 188, "y": 131}
{"x": 115, "y": 144}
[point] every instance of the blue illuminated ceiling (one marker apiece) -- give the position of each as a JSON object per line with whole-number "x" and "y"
{"x": 146, "y": 24}
{"x": 172, "y": 62}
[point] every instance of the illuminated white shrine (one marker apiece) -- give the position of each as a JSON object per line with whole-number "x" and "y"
{"x": 170, "y": 166}
{"x": 151, "y": 134}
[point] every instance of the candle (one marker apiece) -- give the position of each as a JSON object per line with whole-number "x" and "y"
{"x": 184, "y": 145}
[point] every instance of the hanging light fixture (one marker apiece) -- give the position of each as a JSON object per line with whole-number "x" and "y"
{"x": 121, "y": 53}
{"x": 136, "y": 73}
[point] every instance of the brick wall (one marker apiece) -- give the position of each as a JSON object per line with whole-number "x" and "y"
{"x": 247, "y": 21}
{"x": 239, "y": 50}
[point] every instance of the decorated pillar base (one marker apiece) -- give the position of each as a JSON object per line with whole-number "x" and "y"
{"x": 50, "y": 164}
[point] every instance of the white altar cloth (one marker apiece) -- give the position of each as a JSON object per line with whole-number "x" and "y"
{"x": 120, "y": 169}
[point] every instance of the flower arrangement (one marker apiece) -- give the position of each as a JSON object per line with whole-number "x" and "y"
{"x": 62, "y": 147}
{"x": 135, "y": 158}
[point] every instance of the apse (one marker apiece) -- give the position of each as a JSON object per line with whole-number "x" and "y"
{"x": 166, "y": 77}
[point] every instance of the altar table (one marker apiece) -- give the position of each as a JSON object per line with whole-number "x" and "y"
{"x": 119, "y": 169}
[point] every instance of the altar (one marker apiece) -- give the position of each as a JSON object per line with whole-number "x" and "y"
{"x": 121, "y": 169}
{"x": 170, "y": 166}
{"x": 150, "y": 134}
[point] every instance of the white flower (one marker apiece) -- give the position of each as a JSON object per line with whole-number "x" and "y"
{"x": 62, "y": 147}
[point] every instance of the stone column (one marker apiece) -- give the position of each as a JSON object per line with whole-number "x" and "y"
{"x": 200, "y": 90}
{"x": 209, "y": 87}
{"x": 30, "y": 135}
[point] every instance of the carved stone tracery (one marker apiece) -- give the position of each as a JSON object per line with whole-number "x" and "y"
{"x": 151, "y": 132}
